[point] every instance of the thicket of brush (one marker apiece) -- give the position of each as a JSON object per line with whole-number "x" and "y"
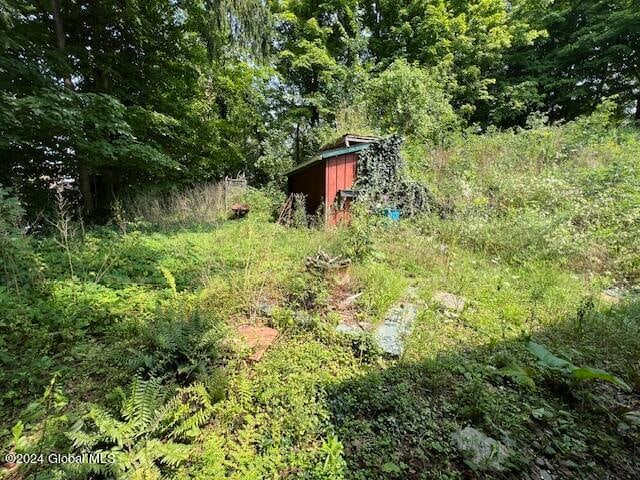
{"x": 119, "y": 338}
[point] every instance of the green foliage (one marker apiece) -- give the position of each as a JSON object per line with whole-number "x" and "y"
{"x": 585, "y": 57}
{"x": 160, "y": 95}
{"x": 171, "y": 280}
{"x": 308, "y": 290}
{"x": 517, "y": 374}
{"x": 382, "y": 180}
{"x": 101, "y": 99}
{"x": 162, "y": 107}
{"x": 547, "y": 360}
{"x": 178, "y": 345}
{"x": 468, "y": 38}
{"x": 410, "y": 100}
{"x": 360, "y": 233}
{"x": 568, "y": 196}
{"x": 382, "y": 287}
{"x": 277, "y": 418}
{"x": 19, "y": 265}
{"x": 316, "y": 54}
{"x": 143, "y": 443}
{"x": 318, "y": 405}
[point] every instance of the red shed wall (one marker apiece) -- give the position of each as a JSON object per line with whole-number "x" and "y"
{"x": 311, "y": 182}
{"x": 340, "y": 174}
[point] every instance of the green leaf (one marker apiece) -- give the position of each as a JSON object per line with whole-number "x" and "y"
{"x": 548, "y": 359}
{"x": 16, "y": 431}
{"x": 542, "y": 413}
{"x": 391, "y": 467}
{"x": 517, "y": 374}
{"x": 588, "y": 373}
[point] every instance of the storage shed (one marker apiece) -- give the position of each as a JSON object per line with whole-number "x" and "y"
{"x": 327, "y": 180}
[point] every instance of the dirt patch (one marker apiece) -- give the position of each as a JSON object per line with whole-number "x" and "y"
{"x": 257, "y": 338}
{"x": 342, "y": 300}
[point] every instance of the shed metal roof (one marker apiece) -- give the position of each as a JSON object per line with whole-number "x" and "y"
{"x": 347, "y": 144}
{"x": 349, "y": 140}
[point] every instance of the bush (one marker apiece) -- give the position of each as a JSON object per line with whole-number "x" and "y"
{"x": 179, "y": 345}
{"x": 409, "y": 99}
{"x": 145, "y": 441}
{"x": 562, "y": 193}
{"x": 19, "y": 265}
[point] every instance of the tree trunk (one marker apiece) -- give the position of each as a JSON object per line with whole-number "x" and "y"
{"x": 60, "y": 39}
{"x": 84, "y": 178}
{"x": 638, "y": 109}
{"x": 298, "y": 153}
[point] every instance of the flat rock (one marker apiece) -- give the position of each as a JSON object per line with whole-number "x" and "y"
{"x": 348, "y": 329}
{"x": 544, "y": 475}
{"x": 449, "y": 301}
{"x": 483, "y": 451}
{"x": 391, "y": 334}
{"x": 257, "y": 338}
{"x": 266, "y": 309}
{"x": 612, "y": 295}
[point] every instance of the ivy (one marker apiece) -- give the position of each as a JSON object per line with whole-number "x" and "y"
{"x": 382, "y": 180}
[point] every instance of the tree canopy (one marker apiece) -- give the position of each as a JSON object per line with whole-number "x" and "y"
{"x": 104, "y": 96}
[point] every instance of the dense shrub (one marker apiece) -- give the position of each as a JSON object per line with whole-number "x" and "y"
{"x": 564, "y": 193}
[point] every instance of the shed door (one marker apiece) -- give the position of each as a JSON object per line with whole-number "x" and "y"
{"x": 340, "y": 174}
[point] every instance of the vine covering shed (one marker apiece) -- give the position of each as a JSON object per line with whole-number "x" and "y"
{"x": 328, "y": 179}
{"x": 368, "y": 167}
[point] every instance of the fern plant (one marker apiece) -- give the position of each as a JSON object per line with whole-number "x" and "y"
{"x": 180, "y": 347}
{"x": 146, "y": 441}
{"x": 171, "y": 280}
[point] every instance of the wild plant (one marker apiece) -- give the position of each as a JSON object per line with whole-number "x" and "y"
{"x": 65, "y": 229}
{"x": 178, "y": 345}
{"x": 198, "y": 205}
{"x": 146, "y": 440}
{"x": 577, "y": 375}
{"x": 20, "y": 265}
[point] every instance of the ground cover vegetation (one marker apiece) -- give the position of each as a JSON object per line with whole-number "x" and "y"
{"x": 120, "y": 338}
{"x": 514, "y": 146}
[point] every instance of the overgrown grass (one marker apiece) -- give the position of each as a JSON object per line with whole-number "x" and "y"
{"x": 201, "y": 204}
{"x": 566, "y": 194}
{"x": 536, "y": 226}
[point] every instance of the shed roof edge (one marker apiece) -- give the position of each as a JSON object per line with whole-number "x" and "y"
{"x": 324, "y": 155}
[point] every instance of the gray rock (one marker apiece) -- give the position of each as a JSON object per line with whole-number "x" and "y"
{"x": 302, "y": 318}
{"x": 485, "y": 452}
{"x": 266, "y": 310}
{"x": 391, "y": 334}
{"x": 614, "y": 292}
{"x": 349, "y": 329}
{"x": 449, "y": 301}
{"x": 544, "y": 475}
{"x": 570, "y": 464}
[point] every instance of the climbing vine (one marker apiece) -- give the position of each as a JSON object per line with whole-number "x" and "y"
{"x": 382, "y": 181}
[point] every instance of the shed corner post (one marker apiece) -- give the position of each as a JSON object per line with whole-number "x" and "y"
{"x": 326, "y": 197}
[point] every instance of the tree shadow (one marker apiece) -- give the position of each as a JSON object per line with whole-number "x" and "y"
{"x": 397, "y": 422}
